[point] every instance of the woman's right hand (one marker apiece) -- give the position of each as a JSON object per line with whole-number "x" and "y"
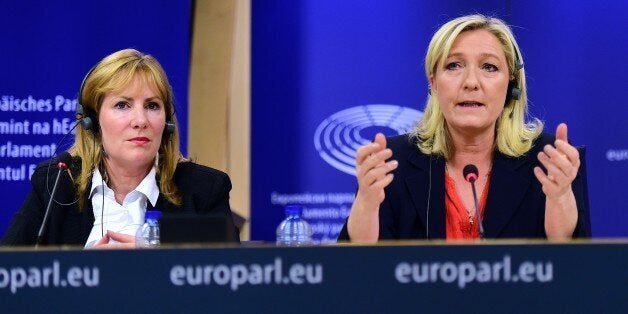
{"x": 115, "y": 240}
{"x": 373, "y": 174}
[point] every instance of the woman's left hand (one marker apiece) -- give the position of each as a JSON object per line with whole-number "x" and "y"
{"x": 115, "y": 240}
{"x": 562, "y": 162}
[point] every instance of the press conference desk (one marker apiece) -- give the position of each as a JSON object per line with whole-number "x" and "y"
{"x": 401, "y": 277}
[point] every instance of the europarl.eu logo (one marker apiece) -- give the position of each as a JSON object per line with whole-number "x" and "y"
{"x": 339, "y": 136}
{"x": 617, "y": 154}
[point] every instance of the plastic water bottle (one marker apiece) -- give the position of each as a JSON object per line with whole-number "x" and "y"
{"x": 294, "y": 230}
{"x": 148, "y": 234}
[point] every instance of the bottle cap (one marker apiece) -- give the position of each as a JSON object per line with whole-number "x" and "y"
{"x": 153, "y": 214}
{"x": 293, "y": 210}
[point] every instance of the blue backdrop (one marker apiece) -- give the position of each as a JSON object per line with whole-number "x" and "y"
{"x": 47, "y": 48}
{"x": 326, "y": 75}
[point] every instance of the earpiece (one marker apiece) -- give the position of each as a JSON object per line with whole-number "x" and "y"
{"x": 88, "y": 124}
{"x": 518, "y": 63}
{"x": 513, "y": 91}
{"x": 89, "y": 121}
{"x": 169, "y": 130}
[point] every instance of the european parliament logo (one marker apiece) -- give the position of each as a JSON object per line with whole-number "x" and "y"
{"x": 339, "y": 136}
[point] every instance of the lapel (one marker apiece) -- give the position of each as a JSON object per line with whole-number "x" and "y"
{"x": 421, "y": 187}
{"x": 506, "y": 191}
{"x": 163, "y": 205}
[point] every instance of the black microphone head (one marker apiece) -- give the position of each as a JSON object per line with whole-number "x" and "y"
{"x": 63, "y": 161}
{"x": 64, "y": 157}
{"x": 470, "y": 172}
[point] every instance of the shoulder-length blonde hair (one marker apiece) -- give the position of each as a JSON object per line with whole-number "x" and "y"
{"x": 514, "y": 135}
{"x": 113, "y": 73}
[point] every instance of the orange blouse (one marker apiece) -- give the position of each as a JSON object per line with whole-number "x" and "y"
{"x": 458, "y": 226}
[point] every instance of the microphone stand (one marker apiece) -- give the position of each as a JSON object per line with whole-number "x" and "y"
{"x": 478, "y": 217}
{"x": 470, "y": 173}
{"x": 40, "y": 235}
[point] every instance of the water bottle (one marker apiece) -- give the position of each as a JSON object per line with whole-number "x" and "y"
{"x": 294, "y": 230}
{"x": 148, "y": 234}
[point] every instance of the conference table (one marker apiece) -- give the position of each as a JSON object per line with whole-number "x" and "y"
{"x": 391, "y": 277}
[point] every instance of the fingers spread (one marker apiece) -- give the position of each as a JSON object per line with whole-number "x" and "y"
{"x": 568, "y": 151}
{"x": 373, "y": 171}
{"x": 378, "y": 173}
{"x": 554, "y": 172}
{"x": 566, "y": 158}
{"x": 384, "y": 182}
{"x": 556, "y": 157}
{"x": 374, "y": 160}
{"x": 542, "y": 177}
{"x": 365, "y": 151}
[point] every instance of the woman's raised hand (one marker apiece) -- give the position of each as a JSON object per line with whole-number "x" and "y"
{"x": 373, "y": 173}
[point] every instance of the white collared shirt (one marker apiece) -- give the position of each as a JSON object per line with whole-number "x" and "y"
{"x": 125, "y": 218}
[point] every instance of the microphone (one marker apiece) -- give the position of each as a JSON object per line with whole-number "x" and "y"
{"x": 470, "y": 173}
{"x": 64, "y": 159}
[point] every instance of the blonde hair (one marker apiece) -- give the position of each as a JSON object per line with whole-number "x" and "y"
{"x": 514, "y": 136}
{"x": 113, "y": 73}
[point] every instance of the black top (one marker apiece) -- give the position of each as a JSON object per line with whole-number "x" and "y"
{"x": 203, "y": 190}
{"x": 515, "y": 205}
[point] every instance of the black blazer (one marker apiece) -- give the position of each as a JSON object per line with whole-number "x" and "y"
{"x": 515, "y": 206}
{"x": 203, "y": 190}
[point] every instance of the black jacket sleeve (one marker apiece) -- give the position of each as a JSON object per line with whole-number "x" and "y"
{"x": 25, "y": 224}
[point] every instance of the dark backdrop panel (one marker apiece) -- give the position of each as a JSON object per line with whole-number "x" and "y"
{"x": 48, "y": 47}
